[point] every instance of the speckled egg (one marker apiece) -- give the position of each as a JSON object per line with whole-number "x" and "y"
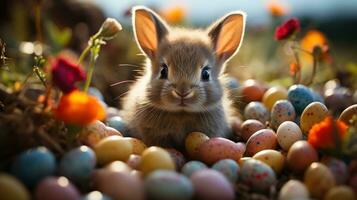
{"x": 33, "y": 165}
{"x": 78, "y": 164}
{"x": 272, "y": 158}
{"x": 229, "y": 168}
{"x": 155, "y": 158}
{"x": 338, "y": 168}
{"x": 91, "y": 134}
{"x": 314, "y": 113}
{"x": 293, "y": 189}
{"x": 260, "y": 140}
{"x": 300, "y": 96}
{"x": 95, "y": 195}
{"x": 252, "y": 90}
{"x": 340, "y": 192}
{"x": 138, "y": 145}
{"x": 164, "y": 184}
{"x": 134, "y": 161}
{"x": 257, "y": 175}
{"x": 209, "y": 184}
{"x": 177, "y": 157}
{"x": 249, "y": 127}
{"x": 348, "y": 113}
{"x": 218, "y": 148}
{"x": 288, "y": 133}
{"x": 56, "y": 188}
{"x": 318, "y": 180}
{"x": 300, "y": 155}
{"x": 243, "y": 160}
{"x": 117, "y": 123}
{"x": 192, "y": 166}
{"x": 282, "y": 111}
{"x": 119, "y": 184}
{"x": 256, "y": 110}
{"x": 12, "y": 189}
{"x": 274, "y": 94}
{"x": 193, "y": 141}
{"x": 113, "y": 148}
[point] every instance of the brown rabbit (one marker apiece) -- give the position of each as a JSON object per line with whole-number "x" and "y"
{"x": 181, "y": 90}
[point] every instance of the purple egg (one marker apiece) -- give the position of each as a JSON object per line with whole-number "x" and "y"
{"x": 56, "y": 188}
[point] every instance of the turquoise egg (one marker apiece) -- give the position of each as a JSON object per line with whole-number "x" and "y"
{"x": 33, "y": 165}
{"x": 96, "y": 93}
{"x": 229, "y": 168}
{"x": 300, "y": 96}
{"x": 117, "y": 123}
{"x": 78, "y": 164}
{"x": 192, "y": 166}
{"x": 165, "y": 184}
{"x": 95, "y": 195}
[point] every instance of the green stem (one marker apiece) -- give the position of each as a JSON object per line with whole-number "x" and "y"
{"x": 90, "y": 72}
{"x": 314, "y": 67}
{"x": 89, "y": 46}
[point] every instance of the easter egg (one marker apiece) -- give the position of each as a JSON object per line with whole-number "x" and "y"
{"x": 134, "y": 161}
{"x": 300, "y": 155}
{"x": 293, "y": 189}
{"x": 218, "y": 148}
{"x": 272, "y": 158}
{"x": 282, "y": 111}
{"x": 243, "y": 160}
{"x": 318, "y": 180}
{"x": 314, "y": 113}
{"x": 78, "y": 164}
{"x": 12, "y": 189}
{"x": 348, "y": 113}
{"x": 300, "y": 96}
{"x": 256, "y": 110}
{"x": 287, "y": 134}
{"x": 112, "y": 112}
{"x": 209, "y": 184}
{"x": 340, "y": 192}
{"x": 96, "y": 93}
{"x": 229, "y": 168}
{"x": 117, "y": 123}
{"x": 111, "y": 131}
{"x": 249, "y": 127}
{"x": 113, "y": 148}
{"x": 177, "y": 157}
{"x": 138, "y": 145}
{"x": 232, "y": 83}
{"x": 193, "y": 141}
{"x": 91, "y": 134}
{"x": 251, "y": 90}
{"x": 338, "y": 168}
{"x": 317, "y": 96}
{"x": 33, "y": 165}
{"x": 337, "y": 100}
{"x": 164, "y": 184}
{"x": 272, "y": 95}
{"x": 118, "y": 166}
{"x": 154, "y": 158}
{"x": 119, "y": 184}
{"x": 260, "y": 140}
{"x": 56, "y": 188}
{"x": 257, "y": 175}
{"x": 192, "y": 166}
{"x": 95, "y": 195}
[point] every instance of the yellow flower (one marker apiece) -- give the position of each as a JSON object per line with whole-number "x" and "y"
{"x": 174, "y": 15}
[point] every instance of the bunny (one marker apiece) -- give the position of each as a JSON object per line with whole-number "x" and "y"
{"x": 182, "y": 87}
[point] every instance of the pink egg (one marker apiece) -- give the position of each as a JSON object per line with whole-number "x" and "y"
{"x": 134, "y": 161}
{"x": 260, "y": 140}
{"x": 178, "y": 157}
{"x": 56, "y": 188}
{"x": 218, "y": 148}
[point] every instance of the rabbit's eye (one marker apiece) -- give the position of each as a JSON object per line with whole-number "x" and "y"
{"x": 205, "y": 73}
{"x": 164, "y": 71}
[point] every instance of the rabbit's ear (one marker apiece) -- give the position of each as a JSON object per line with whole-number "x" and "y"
{"x": 227, "y": 35}
{"x": 149, "y": 29}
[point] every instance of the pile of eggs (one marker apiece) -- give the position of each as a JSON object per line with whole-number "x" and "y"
{"x": 269, "y": 156}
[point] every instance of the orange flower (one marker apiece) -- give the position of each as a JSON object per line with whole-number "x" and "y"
{"x": 79, "y": 108}
{"x": 277, "y": 9}
{"x": 322, "y": 135}
{"x": 312, "y": 41}
{"x": 294, "y": 68}
{"x": 174, "y": 15}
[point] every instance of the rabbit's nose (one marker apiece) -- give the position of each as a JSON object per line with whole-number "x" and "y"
{"x": 182, "y": 95}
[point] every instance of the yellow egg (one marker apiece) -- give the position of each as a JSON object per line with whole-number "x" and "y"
{"x": 273, "y": 95}
{"x": 314, "y": 113}
{"x": 138, "y": 145}
{"x": 293, "y": 189}
{"x": 12, "y": 189}
{"x": 272, "y": 158}
{"x": 193, "y": 141}
{"x": 154, "y": 158}
{"x": 243, "y": 160}
{"x": 340, "y": 192}
{"x": 113, "y": 148}
{"x": 318, "y": 180}
{"x": 348, "y": 113}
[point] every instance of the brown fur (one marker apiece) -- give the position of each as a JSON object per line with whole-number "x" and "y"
{"x": 153, "y": 112}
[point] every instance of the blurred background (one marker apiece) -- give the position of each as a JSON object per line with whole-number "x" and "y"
{"x": 51, "y": 27}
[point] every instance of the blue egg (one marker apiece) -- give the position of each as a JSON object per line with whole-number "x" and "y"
{"x": 95, "y": 195}
{"x": 190, "y": 167}
{"x": 96, "y": 93}
{"x": 117, "y": 123}
{"x": 33, "y": 165}
{"x": 165, "y": 184}
{"x": 300, "y": 96}
{"x": 229, "y": 168}
{"x": 317, "y": 96}
{"x": 232, "y": 83}
{"x": 78, "y": 164}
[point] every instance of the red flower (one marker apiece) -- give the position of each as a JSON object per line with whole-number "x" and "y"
{"x": 66, "y": 73}
{"x": 287, "y": 29}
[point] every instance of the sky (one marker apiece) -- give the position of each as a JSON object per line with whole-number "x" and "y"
{"x": 206, "y": 11}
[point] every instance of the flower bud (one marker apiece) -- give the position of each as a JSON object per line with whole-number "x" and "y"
{"x": 110, "y": 28}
